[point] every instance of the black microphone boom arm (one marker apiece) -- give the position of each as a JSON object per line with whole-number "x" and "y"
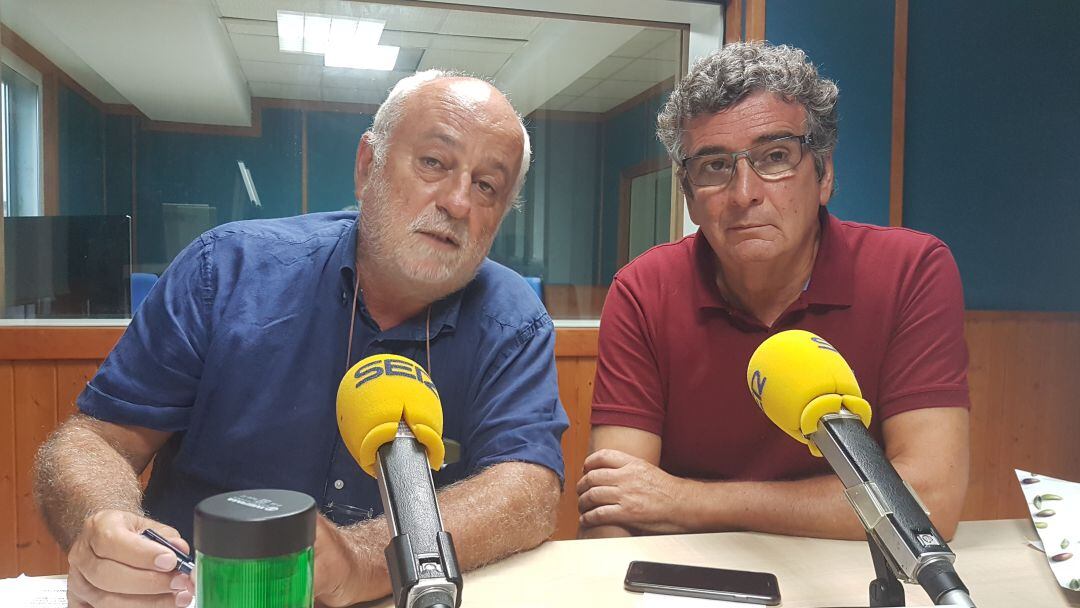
{"x": 893, "y": 516}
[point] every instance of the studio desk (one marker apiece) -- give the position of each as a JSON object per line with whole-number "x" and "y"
{"x": 993, "y": 559}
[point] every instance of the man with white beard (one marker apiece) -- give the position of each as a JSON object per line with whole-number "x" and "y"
{"x": 227, "y": 376}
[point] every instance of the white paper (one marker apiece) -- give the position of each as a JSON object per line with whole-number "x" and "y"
{"x": 1054, "y": 505}
{"x": 33, "y": 592}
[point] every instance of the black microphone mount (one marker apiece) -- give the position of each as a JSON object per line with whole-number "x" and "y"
{"x": 423, "y": 566}
{"x": 903, "y": 543}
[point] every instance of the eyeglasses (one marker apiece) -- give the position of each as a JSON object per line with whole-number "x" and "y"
{"x": 771, "y": 160}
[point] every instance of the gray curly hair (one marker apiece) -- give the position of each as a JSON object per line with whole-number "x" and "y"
{"x": 726, "y": 76}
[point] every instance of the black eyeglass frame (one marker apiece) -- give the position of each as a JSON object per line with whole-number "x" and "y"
{"x": 804, "y": 140}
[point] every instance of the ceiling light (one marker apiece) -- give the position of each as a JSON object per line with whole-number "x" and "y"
{"x": 345, "y": 42}
{"x": 343, "y": 30}
{"x": 362, "y": 57}
{"x": 290, "y": 31}
{"x": 316, "y": 34}
{"x": 369, "y": 31}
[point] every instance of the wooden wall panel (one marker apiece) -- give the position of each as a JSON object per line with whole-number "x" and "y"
{"x": 1024, "y": 381}
{"x": 35, "y": 395}
{"x": 35, "y": 417}
{"x": 50, "y": 143}
{"x": 575, "y": 390}
{"x": 733, "y": 21}
{"x": 71, "y": 377}
{"x": 575, "y": 301}
{"x": 9, "y": 536}
{"x": 899, "y": 107}
{"x": 1025, "y": 378}
{"x": 755, "y": 20}
{"x": 57, "y": 343}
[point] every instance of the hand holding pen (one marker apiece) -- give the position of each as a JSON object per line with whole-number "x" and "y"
{"x": 112, "y": 562}
{"x": 184, "y": 563}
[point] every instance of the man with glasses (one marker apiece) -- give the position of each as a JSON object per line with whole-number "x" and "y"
{"x": 678, "y": 443}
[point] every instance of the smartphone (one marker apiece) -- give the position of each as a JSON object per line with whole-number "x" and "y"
{"x": 709, "y": 583}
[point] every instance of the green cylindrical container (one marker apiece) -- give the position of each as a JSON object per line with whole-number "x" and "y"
{"x": 254, "y": 549}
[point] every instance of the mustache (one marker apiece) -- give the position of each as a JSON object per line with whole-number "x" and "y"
{"x": 437, "y": 222}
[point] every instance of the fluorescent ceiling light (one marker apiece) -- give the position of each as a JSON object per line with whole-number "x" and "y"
{"x": 316, "y": 34}
{"x": 342, "y": 31}
{"x": 290, "y": 31}
{"x": 369, "y": 31}
{"x": 362, "y": 57}
{"x": 345, "y": 42}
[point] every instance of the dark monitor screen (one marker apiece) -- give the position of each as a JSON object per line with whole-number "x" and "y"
{"x": 67, "y": 266}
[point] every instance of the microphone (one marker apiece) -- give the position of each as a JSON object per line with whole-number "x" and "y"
{"x": 806, "y": 388}
{"x": 390, "y": 419}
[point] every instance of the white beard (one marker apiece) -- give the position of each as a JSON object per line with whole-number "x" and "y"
{"x": 419, "y": 265}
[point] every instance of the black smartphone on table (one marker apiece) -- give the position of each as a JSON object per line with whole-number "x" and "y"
{"x": 709, "y": 583}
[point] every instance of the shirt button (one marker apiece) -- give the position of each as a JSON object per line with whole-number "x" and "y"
{"x": 339, "y": 484}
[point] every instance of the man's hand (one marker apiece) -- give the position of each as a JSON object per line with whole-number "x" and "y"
{"x": 349, "y": 564}
{"x": 623, "y": 490}
{"x": 113, "y": 565}
{"x": 506, "y": 508}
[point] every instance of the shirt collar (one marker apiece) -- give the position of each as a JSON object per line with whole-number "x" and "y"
{"x": 706, "y": 291}
{"x": 444, "y": 312}
{"x": 830, "y": 279}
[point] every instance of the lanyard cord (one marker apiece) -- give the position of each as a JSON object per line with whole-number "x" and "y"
{"x": 427, "y": 340}
{"x": 352, "y": 321}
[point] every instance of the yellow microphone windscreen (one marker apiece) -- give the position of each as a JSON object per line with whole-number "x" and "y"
{"x": 797, "y": 377}
{"x": 375, "y": 395}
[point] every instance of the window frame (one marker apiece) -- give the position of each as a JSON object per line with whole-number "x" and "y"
{"x": 24, "y": 69}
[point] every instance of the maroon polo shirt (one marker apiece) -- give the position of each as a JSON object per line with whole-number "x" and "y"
{"x": 673, "y": 353}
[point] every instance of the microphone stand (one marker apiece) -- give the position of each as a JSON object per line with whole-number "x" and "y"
{"x": 896, "y": 522}
{"x": 886, "y": 589}
{"x": 423, "y": 565}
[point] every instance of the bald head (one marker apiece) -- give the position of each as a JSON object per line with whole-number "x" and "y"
{"x": 458, "y": 93}
{"x": 436, "y": 174}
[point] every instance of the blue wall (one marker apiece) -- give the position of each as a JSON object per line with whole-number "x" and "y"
{"x": 561, "y": 206}
{"x": 101, "y": 155}
{"x": 119, "y": 170}
{"x": 81, "y": 142}
{"x": 332, "y": 140}
{"x": 851, "y": 42}
{"x": 566, "y": 230}
{"x": 629, "y": 138}
{"x": 991, "y": 132}
{"x": 992, "y": 154}
{"x": 200, "y": 168}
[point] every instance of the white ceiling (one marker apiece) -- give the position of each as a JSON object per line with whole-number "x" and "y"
{"x": 200, "y": 60}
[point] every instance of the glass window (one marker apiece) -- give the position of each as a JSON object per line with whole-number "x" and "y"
{"x": 19, "y": 100}
{"x": 255, "y": 109}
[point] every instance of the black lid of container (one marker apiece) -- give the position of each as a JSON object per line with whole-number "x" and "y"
{"x": 254, "y": 524}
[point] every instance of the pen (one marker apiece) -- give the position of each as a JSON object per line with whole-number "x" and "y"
{"x": 183, "y": 561}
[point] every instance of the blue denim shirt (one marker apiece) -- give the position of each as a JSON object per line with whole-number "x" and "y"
{"x": 239, "y": 348}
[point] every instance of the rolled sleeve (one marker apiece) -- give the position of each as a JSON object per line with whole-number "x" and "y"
{"x": 151, "y": 376}
{"x": 517, "y": 415}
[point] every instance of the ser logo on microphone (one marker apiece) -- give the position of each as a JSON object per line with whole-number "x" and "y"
{"x": 757, "y": 387}
{"x": 823, "y": 345}
{"x": 393, "y": 367}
